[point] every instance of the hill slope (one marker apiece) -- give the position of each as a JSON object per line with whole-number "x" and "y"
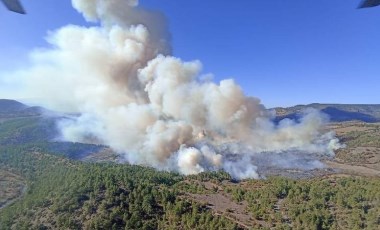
{"x": 336, "y": 112}
{"x": 12, "y": 109}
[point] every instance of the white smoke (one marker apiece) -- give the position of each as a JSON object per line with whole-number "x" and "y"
{"x": 151, "y": 107}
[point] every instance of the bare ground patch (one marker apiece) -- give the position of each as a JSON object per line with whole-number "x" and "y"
{"x": 353, "y": 169}
{"x": 222, "y": 204}
{"x": 12, "y": 187}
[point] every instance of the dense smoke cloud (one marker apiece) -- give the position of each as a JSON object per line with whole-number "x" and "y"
{"x": 153, "y": 108}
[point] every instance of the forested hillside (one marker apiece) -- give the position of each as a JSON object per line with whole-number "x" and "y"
{"x": 45, "y": 185}
{"x": 65, "y": 194}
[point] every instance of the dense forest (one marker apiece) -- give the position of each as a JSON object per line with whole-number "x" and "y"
{"x": 66, "y": 194}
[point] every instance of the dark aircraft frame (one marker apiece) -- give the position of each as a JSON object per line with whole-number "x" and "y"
{"x": 14, "y": 5}
{"x": 369, "y": 3}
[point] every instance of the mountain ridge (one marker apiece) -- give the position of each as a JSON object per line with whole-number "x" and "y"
{"x": 12, "y": 108}
{"x": 336, "y": 112}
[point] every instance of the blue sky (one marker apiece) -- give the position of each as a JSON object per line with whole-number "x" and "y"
{"x": 284, "y": 52}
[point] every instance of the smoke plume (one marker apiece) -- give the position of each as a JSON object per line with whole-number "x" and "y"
{"x": 155, "y": 109}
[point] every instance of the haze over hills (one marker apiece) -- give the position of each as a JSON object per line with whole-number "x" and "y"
{"x": 22, "y": 124}
{"x": 12, "y": 108}
{"x": 33, "y": 126}
{"x": 336, "y": 112}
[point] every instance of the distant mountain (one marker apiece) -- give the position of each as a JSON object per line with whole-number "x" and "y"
{"x": 10, "y": 105}
{"x": 336, "y": 112}
{"x": 22, "y": 125}
{"x": 12, "y": 109}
